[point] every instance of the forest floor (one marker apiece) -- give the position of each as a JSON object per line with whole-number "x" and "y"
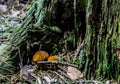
{"x": 11, "y": 14}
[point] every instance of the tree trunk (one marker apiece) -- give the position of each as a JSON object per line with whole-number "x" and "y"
{"x": 102, "y": 37}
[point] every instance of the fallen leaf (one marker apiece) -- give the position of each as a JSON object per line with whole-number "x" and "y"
{"x": 74, "y": 73}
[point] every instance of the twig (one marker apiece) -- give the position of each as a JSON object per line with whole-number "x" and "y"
{"x": 59, "y": 76}
{"x": 80, "y": 46}
{"x": 87, "y": 81}
{"x": 57, "y": 62}
{"x": 39, "y": 80}
{"x": 61, "y": 68}
{"x": 20, "y": 58}
{"x": 63, "y": 73}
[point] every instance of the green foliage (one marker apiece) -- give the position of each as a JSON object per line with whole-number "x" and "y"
{"x": 8, "y": 31}
{"x": 118, "y": 27}
{"x": 81, "y": 60}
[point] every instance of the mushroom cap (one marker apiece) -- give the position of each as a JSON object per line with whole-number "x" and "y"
{"x": 40, "y": 56}
{"x": 53, "y": 58}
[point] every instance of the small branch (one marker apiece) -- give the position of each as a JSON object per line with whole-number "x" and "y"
{"x": 80, "y": 46}
{"x": 62, "y": 77}
{"x": 57, "y": 62}
{"x": 61, "y": 68}
{"x": 87, "y": 81}
{"x": 63, "y": 74}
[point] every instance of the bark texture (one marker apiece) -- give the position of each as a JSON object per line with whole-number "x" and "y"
{"x": 102, "y": 37}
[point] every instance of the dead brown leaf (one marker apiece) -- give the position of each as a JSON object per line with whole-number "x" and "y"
{"x": 74, "y": 73}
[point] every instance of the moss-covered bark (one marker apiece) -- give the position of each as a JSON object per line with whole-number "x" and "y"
{"x": 102, "y": 37}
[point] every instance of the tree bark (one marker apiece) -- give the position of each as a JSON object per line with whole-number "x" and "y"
{"x": 102, "y": 37}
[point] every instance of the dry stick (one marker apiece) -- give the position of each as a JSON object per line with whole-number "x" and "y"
{"x": 80, "y": 46}
{"x": 63, "y": 74}
{"x": 64, "y": 70}
{"x": 57, "y": 62}
{"x": 39, "y": 80}
{"x": 88, "y": 81}
{"x": 21, "y": 59}
{"x": 59, "y": 76}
